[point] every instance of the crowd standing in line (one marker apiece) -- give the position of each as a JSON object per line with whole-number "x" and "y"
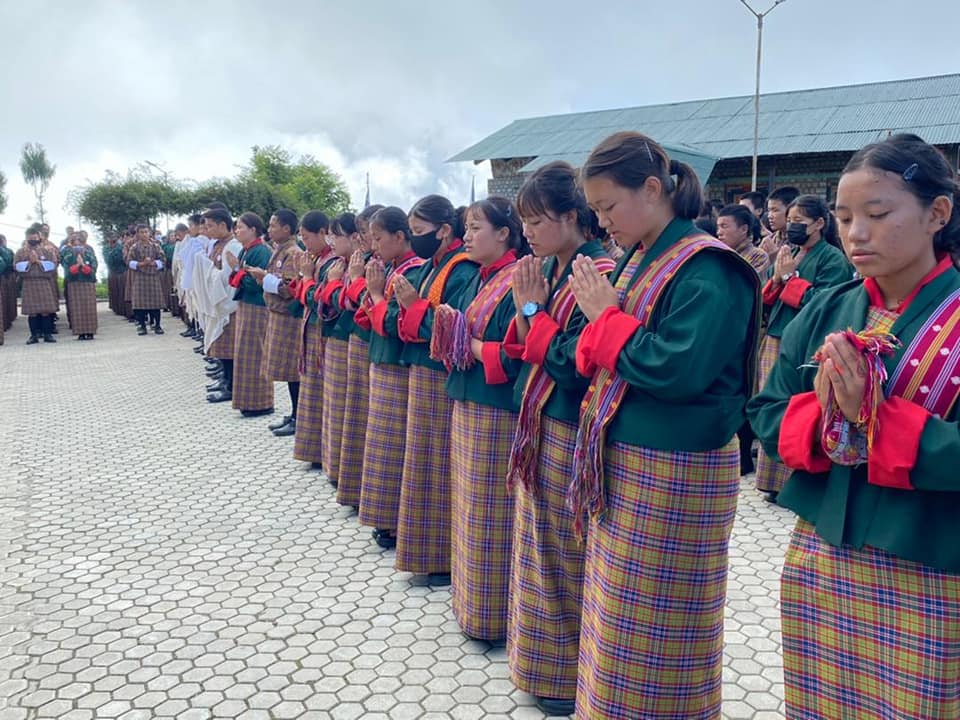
{"x": 543, "y": 404}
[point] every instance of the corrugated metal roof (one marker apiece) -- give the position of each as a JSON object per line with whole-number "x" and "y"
{"x": 701, "y": 163}
{"x": 819, "y": 120}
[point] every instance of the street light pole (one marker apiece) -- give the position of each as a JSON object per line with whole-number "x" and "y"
{"x": 756, "y": 92}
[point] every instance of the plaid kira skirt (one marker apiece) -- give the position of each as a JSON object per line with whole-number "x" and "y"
{"x": 867, "y": 634}
{"x": 82, "y": 301}
{"x": 423, "y": 532}
{"x": 383, "y": 453}
{"x": 771, "y": 475}
{"x": 308, "y": 440}
{"x": 355, "y": 407}
{"x": 481, "y": 518}
{"x": 546, "y": 576}
{"x": 334, "y": 397}
{"x": 250, "y": 390}
{"x": 655, "y": 581}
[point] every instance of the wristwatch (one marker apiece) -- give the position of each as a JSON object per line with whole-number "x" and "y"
{"x": 786, "y": 277}
{"x": 530, "y": 309}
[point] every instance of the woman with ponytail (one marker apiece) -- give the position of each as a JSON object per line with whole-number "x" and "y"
{"x": 468, "y": 339}
{"x": 423, "y": 536}
{"x": 669, "y": 352}
{"x": 810, "y": 262}
{"x": 546, "y": 581}
{"x": 862, "y": 406}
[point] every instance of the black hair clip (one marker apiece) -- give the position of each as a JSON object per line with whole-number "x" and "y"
{"x": 910, "y": 172}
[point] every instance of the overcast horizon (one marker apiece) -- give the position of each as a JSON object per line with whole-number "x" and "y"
{"x": 395, "y": 89}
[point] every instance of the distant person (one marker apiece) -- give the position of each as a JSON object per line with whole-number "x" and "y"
{"x": 777, "y": 205}
{"x": 146, "y": 262}
{"x": 810, "y": 263}
{"x": 36, "y": 265}
{"x": 739, "y": 229}
{"x": 79, "y": 263}
{"x": 8, "y": 286}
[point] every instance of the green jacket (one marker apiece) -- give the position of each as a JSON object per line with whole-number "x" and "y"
{"x": 689, "y": 371}
{"x": 560, "y": 361}
{"x": 168, "y": 249}
{"x": 113, "y": 256}
{"x": 919, "y": 524}
{"x": 418, "y": 353}
{"x": 823, "y": 267}
{"x": 69, "y": 258}
{"x": 249, "y": 290}
{"x": 6, "y": 260}
{"x": 471, "y": 384}
{"x": 390, "y": 350}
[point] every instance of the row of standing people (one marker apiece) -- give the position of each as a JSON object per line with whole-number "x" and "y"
{"x": 569, "y": 467}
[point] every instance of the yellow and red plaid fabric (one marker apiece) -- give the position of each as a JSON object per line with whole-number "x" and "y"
{"x": 334, "y": 399}
{"x": 771, "y": 475}
{"x": 355, "y": 408}
{"x": 251, "y": 391}
{"x": 481, "y": 518}
{"x": 655, "y": 581}
{"x": 307, "y": 443}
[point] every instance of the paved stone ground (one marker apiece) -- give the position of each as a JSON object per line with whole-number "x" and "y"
{"x": 163, "y": 557}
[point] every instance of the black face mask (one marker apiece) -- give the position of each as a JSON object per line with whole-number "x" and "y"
{"x": 797, "y": 234}
{"x": 426, "y": 245}
{"x": 34, "y": 242}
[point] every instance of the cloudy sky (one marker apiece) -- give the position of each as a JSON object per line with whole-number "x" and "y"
{"x": 394, "y": 88}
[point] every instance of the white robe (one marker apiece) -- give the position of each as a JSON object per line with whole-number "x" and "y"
{"x": 214, "y": 296}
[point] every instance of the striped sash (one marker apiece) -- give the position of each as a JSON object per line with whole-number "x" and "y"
{"x": 525, "y": 453}
{"x": 607, "y": 389}
{"x": 453, "y": 330}
{"x": 410, "y": 263}
{"x": 929, "y": 370}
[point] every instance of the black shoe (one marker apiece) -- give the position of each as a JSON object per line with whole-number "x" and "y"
{"x": 287, "y": 430}
{"x": 157, "y": 330}
{"x": 55, "y": 331}
{"x": 555, "y": 707}
{"x": 387, "y": 540}
{"x": 198, "y": 350}
{"x": 256, "y": 413}
{"x": 438, "y": 579}
{"x": 49, "y": 338}
{"x": 771, "y": 497}
{"x": 214, "y": 374}
{"x": 220, "y": 396}
{"x": 218, "y": 385}
{"x": 33, "y": 340}
{"x": 142, "y": 330}
{"x": 279, "y": 423}
{"x": 316, "y": 466}
{"x": 187, "y": 333}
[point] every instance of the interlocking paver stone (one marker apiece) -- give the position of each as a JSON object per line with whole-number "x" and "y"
{"x": 148, "y": 570}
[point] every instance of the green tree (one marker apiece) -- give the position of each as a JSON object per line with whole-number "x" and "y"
{"x": 117, "y": 202}
{"x": 3, "y": 194}
{"x": 37, "y": 171}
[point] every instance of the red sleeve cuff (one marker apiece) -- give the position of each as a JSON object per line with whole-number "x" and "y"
{"x": 542, "y": 331}
{"x": 493, "y": 371}
{"x": 87, "y": 270}
{"x": 612, "y": 330}
{"x": 771, "y": 292}
{"x": 355, "y": 290}
{"x": 237, "y": 277}
{"x": 74, "y": 269}
{"x": 361, "y": 319}
{"x": 584, "y": 353}
{"x": 794, "y": 291}
{"x": 303, "y": 290}
{"x": 511, "y": 345}
{"x": 799, "y": 443}
{"x": 900, "y": 424}
{"x": 378, "y": 318}
{"x": 326, "y": 295}
{"x": 410, "y": 320}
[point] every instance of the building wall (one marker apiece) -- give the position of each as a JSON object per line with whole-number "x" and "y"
{"x": 814, "y": 173}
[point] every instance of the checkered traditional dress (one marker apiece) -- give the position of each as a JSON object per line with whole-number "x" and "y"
{"x": 251, "y": 391}
{"x": 655, "y": 580}
{"x": 146, "y": 291}
{"x": 82, "y": 299}
{"x": 771, "y": 475}
{"x": 383, "y": 452}
{"x": 546, "y": 581}
{"x": 8, "y": 287}
{"x": 334, "y": 399}
{"x": 355, "y": 409}
{"x": 38, "y": 291}
{"x": 481, "y": 518}
{"x": 423, "y": 532}
{"x": 310, "y": 420}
